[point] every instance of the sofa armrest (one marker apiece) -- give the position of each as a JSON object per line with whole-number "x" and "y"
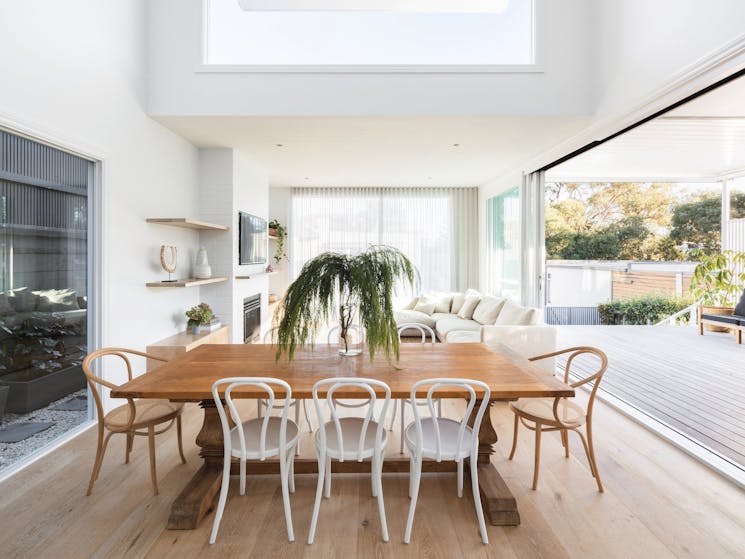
{"x": 528, "y": 341}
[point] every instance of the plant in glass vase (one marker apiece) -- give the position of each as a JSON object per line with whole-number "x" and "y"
{"x": 200, "y": 314}
{"x": 360, "y": 285}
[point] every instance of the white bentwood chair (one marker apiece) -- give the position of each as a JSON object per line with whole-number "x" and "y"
{"x": 261, "y": 403}
{"x": 446, "y": 439}
{"x": 350, "y": 438}
{"x": 425, "y": 331}
{"x": 256, "y": 439}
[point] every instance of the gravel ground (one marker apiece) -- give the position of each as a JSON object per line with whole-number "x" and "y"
{"x": 64, "y": 421}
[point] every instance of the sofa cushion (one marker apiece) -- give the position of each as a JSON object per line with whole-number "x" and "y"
{"x": 723, "y": 318}
{"x": 487, "y": 310}
{"x": 447, "y": 325}
{"x": 469, "y": 305}
{"x": 458, "y": 299}
{"x": 514, "y": 314}
{"x": 56, "y": 300}
{"x": 443, "y": 301}
{"x": 440, "y": 315}
{"x": 416, "y": 317}
{"x": 425, "y": 305}
{"x": 740, "y": 308}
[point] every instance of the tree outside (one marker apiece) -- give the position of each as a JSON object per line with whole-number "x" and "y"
{"x": 633, "y": 221}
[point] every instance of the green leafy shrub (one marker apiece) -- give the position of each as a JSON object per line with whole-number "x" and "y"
{"x": 642, "y": 310}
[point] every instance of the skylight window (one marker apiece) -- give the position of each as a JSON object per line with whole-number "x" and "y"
{"x": 369, "y": 34}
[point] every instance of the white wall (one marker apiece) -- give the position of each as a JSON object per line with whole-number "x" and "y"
{"x": 638, "y": 45}
{"x": 73, "y": 71}
{"x": 279, "y": 208}
{"x": 229, "y": 182}
{"x": 176, "y": 88}
{"x": 578, "y": 287}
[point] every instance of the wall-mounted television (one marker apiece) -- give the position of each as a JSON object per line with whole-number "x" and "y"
{"x": 252, "y": 239}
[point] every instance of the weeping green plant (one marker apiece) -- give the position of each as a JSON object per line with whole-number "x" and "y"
{"x": 333, "y": 282}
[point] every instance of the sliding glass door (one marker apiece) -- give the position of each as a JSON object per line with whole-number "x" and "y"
{"x": 503, "y": 244}
{"x": 44, "y": 208}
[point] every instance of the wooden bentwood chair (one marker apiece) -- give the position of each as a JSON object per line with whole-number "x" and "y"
{"x": 136, "y": 417}
{"x": 562, "y": 414}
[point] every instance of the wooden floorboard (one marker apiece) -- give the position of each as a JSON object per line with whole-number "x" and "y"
{"x": 695, "y": 384}
{"x": 659, "y": 503}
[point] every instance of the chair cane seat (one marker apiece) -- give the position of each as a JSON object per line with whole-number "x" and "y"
{"x": 146, "y": 412}
{"x": 542, "y": 409}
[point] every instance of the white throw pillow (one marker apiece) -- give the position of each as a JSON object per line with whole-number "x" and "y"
{"x": 513, "y": 314}
{"x": 473, "y": 293}
{"x": 469, "y": 305}
{"x": 458, "y": 299}
{"x": 487, "y": 310}
{"x": 425, "y": 305}
{"x": 443, "y": 302}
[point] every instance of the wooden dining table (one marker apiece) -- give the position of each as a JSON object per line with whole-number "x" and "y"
{"x": 189, "y": 378}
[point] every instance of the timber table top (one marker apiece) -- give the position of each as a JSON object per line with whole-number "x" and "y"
{"x": 189, "y": 377}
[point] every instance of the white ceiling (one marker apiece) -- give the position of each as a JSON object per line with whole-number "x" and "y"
{"x": 700, "y": 140}
{"x": 429, "y": 6}
{"x": 380, "y": 151}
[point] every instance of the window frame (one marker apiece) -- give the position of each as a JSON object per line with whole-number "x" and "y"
{"x": 536, "y": 67}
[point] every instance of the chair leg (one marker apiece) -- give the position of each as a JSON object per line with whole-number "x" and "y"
{"x": 242, "y": 476}
{"x": 297, "y": 422}
{"x": 403, "y": 414}
{"x": 373, "y": 470}
{"x": 180, "y": 439}
{"x": 477, "y": 496}
{"x": 590, "y": 451}
{"x": 460, "y": 478}
{"x": 378, "y": 491}
{"x": 319, "y": 492}
{"x": 514, "y": 437}
{"x": 565, "y": 442}
{"x": 537, "y": 465}
{"x": 307, "y": 416}
{"x": 292, "y": 471}
{"x": 223, "y": 497}
{"x": 283, "y": 475}
{"x": 412, "y": 465}
{"x": 128, "y": 446}
{"x": 416, "y": 473}
{"x": 328, "y": 478}
{"x": 393, "y": 416}
{"x": 100, "y": 451}
{"x": 151, "y": 447}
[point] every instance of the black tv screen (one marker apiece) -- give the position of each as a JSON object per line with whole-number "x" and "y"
{"x": 252, "y": 239}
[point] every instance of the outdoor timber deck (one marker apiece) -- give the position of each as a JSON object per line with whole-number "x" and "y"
{"x": 694, "y": 384}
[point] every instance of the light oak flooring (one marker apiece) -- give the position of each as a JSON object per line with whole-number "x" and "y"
{"x": 659, "y": 503}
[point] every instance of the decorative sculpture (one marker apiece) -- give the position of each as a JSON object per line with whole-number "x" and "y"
{"x": 168, "y": 257}
{"x": 202, "y": 269}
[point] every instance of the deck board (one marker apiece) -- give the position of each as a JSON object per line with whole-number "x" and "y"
{"x": 695, "y": 384}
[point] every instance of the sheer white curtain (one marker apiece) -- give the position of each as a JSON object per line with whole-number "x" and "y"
{"x": 436, "y": 228}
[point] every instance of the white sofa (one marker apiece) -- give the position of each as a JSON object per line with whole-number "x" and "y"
{"x": 491, "y": 320}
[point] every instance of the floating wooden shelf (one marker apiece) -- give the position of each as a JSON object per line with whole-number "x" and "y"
{"x": 187, "y": 223}
{"x": 257, "y": 274}
{"x": 188, "y": 282}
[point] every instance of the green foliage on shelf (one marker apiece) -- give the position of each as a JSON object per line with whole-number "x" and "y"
{"x": 333, "y": 282}
{"x": 642, "y": 310}
{"x": 281, "y": 251}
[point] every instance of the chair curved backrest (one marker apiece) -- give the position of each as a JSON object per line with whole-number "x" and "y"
{"x": 95, "y": 381}
{"x": 423, "y": 329}
{"x": 468, "y": 386}
{"x": 230, "y": 384}
{"x": 365, "y": 385}
{"x": 270, "y": 335}
{"x": 594, "y": 377}
{"x": 335, "y": 331}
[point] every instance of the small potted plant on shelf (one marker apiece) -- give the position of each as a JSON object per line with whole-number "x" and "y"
{"x": 201, "y": 314}
{"x": 717, "y": 282}
{"x": 278, "y": 231}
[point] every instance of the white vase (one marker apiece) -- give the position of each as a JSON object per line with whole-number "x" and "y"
{"x": 202, "y": 269}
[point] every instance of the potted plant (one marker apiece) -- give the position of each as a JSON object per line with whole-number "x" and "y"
{"x": 198, "y": 315}
{"x": 279, "y": 231}
{"x": 717, "y": 282}
{"x": 350, "y": 285}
